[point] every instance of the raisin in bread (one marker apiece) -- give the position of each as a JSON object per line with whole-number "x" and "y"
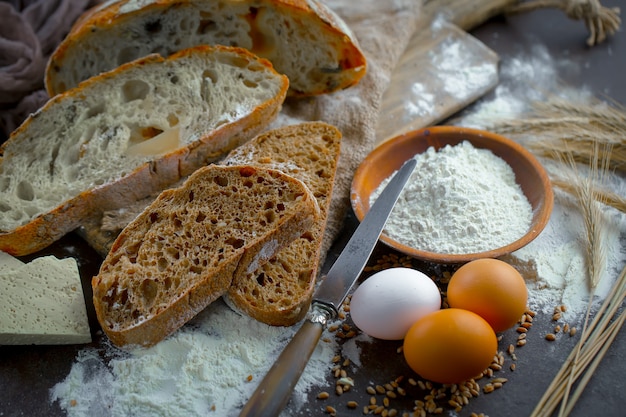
{"x": 279, "y": 292}
{"x": 182, "y": 252}
{"x": 127, "y": 134}
{"x": 303, "y": 39}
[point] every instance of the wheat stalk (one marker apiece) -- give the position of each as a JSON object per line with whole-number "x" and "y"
{"x": 596, "y": 335}
{"x": 556, "y": 124}
{"x": 585, "y": 189}
{"x": 605, "y": 197}
{"x": 581, "y": 148}
{"x": 589, "y": 350}
{"x": 562, "y": 130}
{"x": 604, "y": 340}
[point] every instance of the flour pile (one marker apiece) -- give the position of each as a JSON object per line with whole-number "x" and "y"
{"x": 210, "y": 366}
{"x": 459, "y": 199}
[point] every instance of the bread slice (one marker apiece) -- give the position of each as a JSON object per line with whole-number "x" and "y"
{"x": 279, "y": 292}
{"x": 126, "y": 134}
{"x": 181, "y": 253}
{"x": 42, "y": 302}
{"x": 303, "y": 39}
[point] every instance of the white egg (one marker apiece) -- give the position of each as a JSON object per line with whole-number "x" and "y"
{"x": 386, "y": 304}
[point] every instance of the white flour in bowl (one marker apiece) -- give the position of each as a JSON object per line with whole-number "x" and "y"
{"x": 459, "y": 200}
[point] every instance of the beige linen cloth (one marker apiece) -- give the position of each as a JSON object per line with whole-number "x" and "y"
{"x": 383, "y": 30}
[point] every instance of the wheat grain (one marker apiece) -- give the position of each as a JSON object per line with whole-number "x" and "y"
{"x": 323, "y": 395}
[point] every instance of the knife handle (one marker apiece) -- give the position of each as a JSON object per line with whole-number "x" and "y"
{"x": 274, "y": 391}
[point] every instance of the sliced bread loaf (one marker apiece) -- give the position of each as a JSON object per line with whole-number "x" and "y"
{"x": 126, "y": 134}
{"x": 303, "y": 39}
{"x": 181, "y": 253}
{"x": 279, "y": 292}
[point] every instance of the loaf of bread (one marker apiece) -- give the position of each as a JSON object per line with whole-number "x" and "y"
{"x": 128, "y": 133}
{"x": 182, "y": 252}
{"x": 303, "y": 39}
{"x": 42, "y": 302}
{"x": 279, "y": 293}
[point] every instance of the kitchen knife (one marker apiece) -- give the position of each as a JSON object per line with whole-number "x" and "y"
{"x": 274, "y": 390}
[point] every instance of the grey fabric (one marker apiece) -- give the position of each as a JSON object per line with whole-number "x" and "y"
{"x": 29, "y": 32}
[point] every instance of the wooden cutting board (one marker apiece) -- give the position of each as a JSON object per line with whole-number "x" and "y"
{"x": 443, "y": 70}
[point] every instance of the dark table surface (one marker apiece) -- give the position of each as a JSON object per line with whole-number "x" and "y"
{"x": 28, "y": 372}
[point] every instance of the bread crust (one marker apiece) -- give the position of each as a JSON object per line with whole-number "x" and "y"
{"x": 148, "y": 177}
{"x": 313, "y": 17}
{"x": 185, "y": 237}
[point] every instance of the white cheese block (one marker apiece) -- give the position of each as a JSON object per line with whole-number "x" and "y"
{"x": 42, "y": 302}
{"x": 8, "y": 262}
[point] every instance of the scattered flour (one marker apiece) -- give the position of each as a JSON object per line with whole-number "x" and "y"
{"x": 456, "y": 77}
{"x": 201, "y": 369}
{"x": 450, "y": 76}
{"x": 459, "y": 200}
{"x": 456, "y": 71}
{"x": 554, "y": 263}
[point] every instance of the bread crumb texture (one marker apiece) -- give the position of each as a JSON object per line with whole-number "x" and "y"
{"x": 111, "y": 126}
{"x": 303, "y": 39}
{"x": 181, "y": 253}
{"x": 280, "y": 291}
{"x": 41, "y": 302}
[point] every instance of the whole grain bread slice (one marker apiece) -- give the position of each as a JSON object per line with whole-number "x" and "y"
{"x": 279, "y": 292}
{"x": 182, "y": 252}
{"x": 303, "y": 39}
{"x": 126, "y": 134}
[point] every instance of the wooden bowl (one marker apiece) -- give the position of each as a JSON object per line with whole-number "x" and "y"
{"x": 385, "y": 159}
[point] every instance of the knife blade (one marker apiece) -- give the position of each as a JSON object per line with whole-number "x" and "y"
{"x": 274, "y": 390}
